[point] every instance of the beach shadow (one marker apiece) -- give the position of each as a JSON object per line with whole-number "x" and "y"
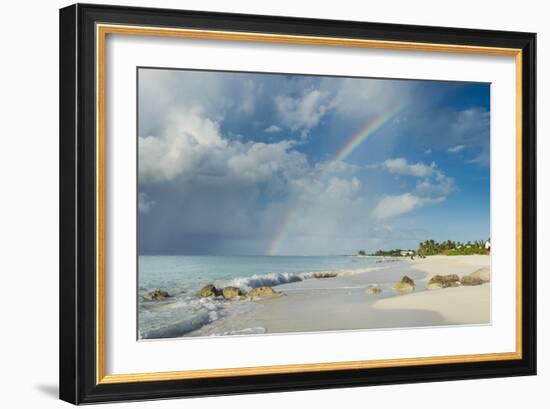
{"x": 405, "y": 319}
{"x": 49, "y": 390}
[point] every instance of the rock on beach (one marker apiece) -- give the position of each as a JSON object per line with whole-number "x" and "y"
{"x": 230, "y": 293}
{"x": 209, "y": 291}
{"x": 405, "y": 285}
{"x": 261, "y": 292}
{"x": 373, "y": 290}
{"x": 156, "y": 295}
{"x": 443, "y": 281}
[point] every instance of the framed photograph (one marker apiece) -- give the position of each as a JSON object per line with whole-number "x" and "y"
{"x": 257, "y": 203}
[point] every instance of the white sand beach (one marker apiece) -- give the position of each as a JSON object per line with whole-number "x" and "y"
{"x": 458, "y": 305}
{"x": 342, "y": 303}
{"x": 460, "y": 265}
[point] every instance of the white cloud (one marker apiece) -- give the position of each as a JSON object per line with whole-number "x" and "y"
{"x": 432, "y": 188}
{"x": 388, "y": 232}
{"x": 193, "y": 146}
{"x": 343, "y": 187}
{"x": 400, "y": 166}
{"x": 211, "y": 185}
{"x": 303, "y": 112}
{"x": 428, "y": 152}
{"x": 260, "y": 162}
{"x": 181, "y": 146}
{"x": 357, "y": 99}
{"x": 248, "y": 98}
{"x": 471, "y": 126}
{"x": 272, "y": 129}
{"x": 145, "y": 203}
{"x": 442, "y": 185}
{"x": 161, "y": 92}
{"x": 455, "y": 149}
{"x": 397, "y": 205}
{"x": 482, "y": 159}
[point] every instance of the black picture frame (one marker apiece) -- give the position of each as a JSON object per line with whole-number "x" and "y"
{"x": 78, "y": 308}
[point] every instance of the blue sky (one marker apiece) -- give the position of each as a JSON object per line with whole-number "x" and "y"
{"x": 247, "y": 163}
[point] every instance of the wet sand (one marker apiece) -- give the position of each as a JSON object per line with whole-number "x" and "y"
{"x": 336, "y": 304}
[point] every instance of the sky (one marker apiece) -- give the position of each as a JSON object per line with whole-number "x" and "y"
{"x": 233, "y": 163}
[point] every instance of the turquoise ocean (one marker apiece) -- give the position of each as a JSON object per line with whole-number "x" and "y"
{"x": 183, "y": 276}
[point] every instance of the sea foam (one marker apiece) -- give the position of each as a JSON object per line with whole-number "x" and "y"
{"x": 179, "y": 317}
{"x": 275, "y": 279}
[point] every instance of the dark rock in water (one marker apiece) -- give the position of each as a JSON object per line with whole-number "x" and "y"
{"x": 261, "y": 292}
{"x": 439, "y": 281}
{"x": 373, "y": 290}
{"x": 405, "y": 285}
{"x": 325, "y": 275}
{"x": 156, "y": 295}
{"x": 209, "y": 291}
{"x": 230, "y": 293}
{"x": 406, "y": 280}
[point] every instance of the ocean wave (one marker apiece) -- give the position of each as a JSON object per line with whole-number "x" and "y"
{"x": 179, "y": 317}
{"x": 176, "y": 329}
{"x": 275, "y": 279}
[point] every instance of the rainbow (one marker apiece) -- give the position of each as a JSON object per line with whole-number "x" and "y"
{"x": 349, "y": 147}
{"x": 354, "y": 142}
{"x": 280, "y": 234}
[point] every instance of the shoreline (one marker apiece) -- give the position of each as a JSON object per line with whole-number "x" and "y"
{"x": 341, "y": 303}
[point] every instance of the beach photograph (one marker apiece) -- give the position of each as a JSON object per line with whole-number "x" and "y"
{"x": 275, "y": 203}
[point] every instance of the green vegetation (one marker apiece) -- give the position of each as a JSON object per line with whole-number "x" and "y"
{"x": 361, "y": 253}
{"x": 431, "y": 247}
{"x": 451, "y": 248}
{"x": 389, "y": 253}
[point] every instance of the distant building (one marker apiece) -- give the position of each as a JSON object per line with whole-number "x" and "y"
{"x": 407, "y": 252}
